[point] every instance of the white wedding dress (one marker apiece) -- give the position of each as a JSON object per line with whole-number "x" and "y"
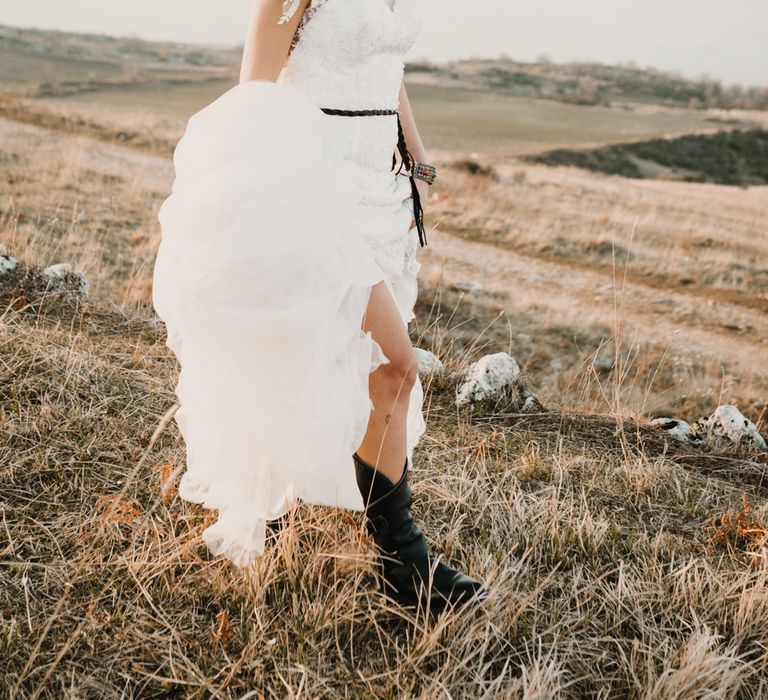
{"x": 280, "y": 220}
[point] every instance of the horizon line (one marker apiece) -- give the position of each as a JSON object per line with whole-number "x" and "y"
{"x": 502, "y": 56}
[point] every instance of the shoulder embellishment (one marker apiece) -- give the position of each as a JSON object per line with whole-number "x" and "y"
{"x": 290, "y": 7}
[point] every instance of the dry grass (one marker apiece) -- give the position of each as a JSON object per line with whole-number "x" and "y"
{"x": 145, "y": 133}
{"x": 70, "y": 198}
{"x": 596, "y": 545}
{"x": 662, "y": 277}
{"x": 462, "y": 120}
{"x": 619, "y": 565}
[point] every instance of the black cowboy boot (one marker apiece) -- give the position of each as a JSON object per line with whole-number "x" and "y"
{"x": 409, "y": 573}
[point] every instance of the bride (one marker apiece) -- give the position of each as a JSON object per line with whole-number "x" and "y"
{"x": 286, "y": 277}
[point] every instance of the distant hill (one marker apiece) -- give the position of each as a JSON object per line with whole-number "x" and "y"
{"x": 726, "y": 158}
{"x": 589, "y": 83}
{"x": 38, "y": 63}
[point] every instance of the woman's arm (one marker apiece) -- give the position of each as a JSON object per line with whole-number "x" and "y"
{"x": 413, "y": 142}
{"x": 267, "y": 42}
{"x": 410, "y": 131}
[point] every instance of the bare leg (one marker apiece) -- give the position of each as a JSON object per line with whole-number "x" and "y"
{"x": 384, "y": 444}
{"x": 409, "y": 574}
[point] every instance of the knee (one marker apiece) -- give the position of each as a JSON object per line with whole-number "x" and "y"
{"x": 399, "y": 375}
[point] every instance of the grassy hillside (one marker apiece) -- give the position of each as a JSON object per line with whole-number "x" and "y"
{"x": 38, "y": 63}
{"x": 498, "y": 125}
{"x": 590, "y": 83}
{"x": 49, "y": 62}
{"x": 620, "y": 563}
{"x": 484, "y": 106}
{"x": 726, "y": 158}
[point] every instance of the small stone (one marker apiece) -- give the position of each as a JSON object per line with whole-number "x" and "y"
{"x": 489, "y": 378}
{"x": 429, "y": 363}
{"x": 7, "y": 263}
{"x": 473, "y": 287}
{"x": 57, "y": 271}
{"x": 727, "y": 423}
{"x": 531, "y": 404}
{"x": 677, "y": 429}
{"x": 62, "y": 279}
{"x": 604, "y": 364}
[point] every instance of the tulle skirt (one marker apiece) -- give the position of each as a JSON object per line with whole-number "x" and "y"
{"x": 263, "y": 274}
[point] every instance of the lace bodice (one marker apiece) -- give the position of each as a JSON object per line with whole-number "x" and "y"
{"x": 349, "y": 54}
{"x": 290, "y": 7}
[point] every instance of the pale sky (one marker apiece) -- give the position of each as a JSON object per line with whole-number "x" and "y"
{"x": 724, "y": 40}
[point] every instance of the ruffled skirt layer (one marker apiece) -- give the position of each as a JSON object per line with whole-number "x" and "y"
{"x": 263, "y": 274}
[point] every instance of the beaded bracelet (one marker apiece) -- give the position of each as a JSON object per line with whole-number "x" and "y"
{"x": 425, "y": 172}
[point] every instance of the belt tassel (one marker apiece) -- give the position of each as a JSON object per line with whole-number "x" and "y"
{"x": 406, "y": 159}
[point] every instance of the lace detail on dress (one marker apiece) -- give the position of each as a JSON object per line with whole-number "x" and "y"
{"x": 313, "y": 6}
{"x": 348, "y": 54}
{"x": 290, "y": 7}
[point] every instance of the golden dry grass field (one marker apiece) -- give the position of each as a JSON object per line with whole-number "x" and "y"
{"x": 620, "y": 563}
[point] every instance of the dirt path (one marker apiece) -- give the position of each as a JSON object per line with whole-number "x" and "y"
{"x": 562, "y": 294}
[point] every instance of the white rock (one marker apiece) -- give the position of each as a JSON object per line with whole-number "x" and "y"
{"x": 728, "y": 423}
{"x": 57, "y": 271}
{"x": 7, "y": 263}
{"x": 677, "y": 429}
{"x": 429, "y": 363}
{"x": 3, "y": 251}
{"x": 473, "y": 287}
{"x": 488, "y": 378}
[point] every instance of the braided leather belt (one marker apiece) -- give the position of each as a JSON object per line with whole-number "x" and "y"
{"x": 406, "y": 159}
{"x": 358, "y": 112}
